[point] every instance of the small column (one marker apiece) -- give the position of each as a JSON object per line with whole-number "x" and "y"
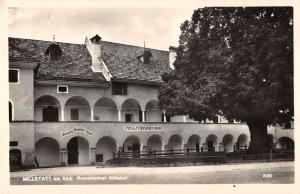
{"x": 62, "y": 114}
{"x": 63, "y": 156}
{"x": 184, "y": 118}
{"x": 92, "y": 114}
{"x": 92, "y": 156}
{"x": 165, "y": 118}
{"x": 119, "y": 115}
{"x": 143, "y": 116}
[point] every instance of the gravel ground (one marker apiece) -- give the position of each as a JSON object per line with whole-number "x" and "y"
{"x": 266, "y": 173}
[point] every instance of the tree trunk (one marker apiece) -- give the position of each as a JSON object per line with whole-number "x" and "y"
{"x": 259, "y": 136}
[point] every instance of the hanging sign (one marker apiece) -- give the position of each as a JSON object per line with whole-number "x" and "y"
{"x": 77, "y": 130}
{"x": 143, "y": 128}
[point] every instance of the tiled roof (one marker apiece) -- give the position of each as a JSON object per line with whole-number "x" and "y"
{"x": 122, "y": 62}
{"x": 75, "y": 62}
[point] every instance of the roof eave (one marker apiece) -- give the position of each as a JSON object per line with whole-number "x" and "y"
{"x": 136, "y": 81}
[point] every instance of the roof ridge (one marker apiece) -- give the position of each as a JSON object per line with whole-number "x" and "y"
{"x": 135, "y": 46}
{"x": 84, "y": 44}
{"x": 46, "y": 40}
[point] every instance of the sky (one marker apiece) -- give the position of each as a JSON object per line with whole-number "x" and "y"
{"x": 158, "y": 26}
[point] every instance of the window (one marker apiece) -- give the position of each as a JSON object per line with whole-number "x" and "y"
{"x": 13, "y": 76}
{"x": 13, "y": 143}
{"x": 74, "y": 114}
{"x": 62, "y": 89}
{"x": 168, "y": 118}
{"x": 99, "y": 157}
{"x": 128, "y": 117}
{"x": 96, "y": 118}
{"x": 215, "y": 119}
{"x": 287, "y": 125}
{"x": 230, "y": 120}
{"x": 141, "y": 116}
{"x": 119, "y": 88}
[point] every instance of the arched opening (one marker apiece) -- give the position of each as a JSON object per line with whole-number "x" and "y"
{"x": 228, "y": 143}
{"x": 105, "y": 110}
{"x": 153, "y": 111}
{"x": 46, "y": 109}
{"x": 211, "y": 142}
{"x": 242, "y": 142}
{"x": 77, "y": 108}
{"x": 10, "y": 108}
{"x": 193, "y": 143}
{"x": 105, "y": 148}
{"x": 285, "y": 143}
{"x": 47, "y": 152}
{"x": 132, "y": 144}
{"x": 131, "y": 111}
{"x": 154, "y": 143}
{"x": 175, "y": 142}
{"x": 15, "y": 159}
{"x": 78, "y": 151}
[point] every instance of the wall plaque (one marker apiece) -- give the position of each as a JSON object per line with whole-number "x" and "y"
{"x": 76, "y": 130}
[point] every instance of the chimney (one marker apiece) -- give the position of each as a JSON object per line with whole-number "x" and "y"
{"x": 94, "y": 47}
{"x": 96, "y": 50}
{"x": 172, "y": 56}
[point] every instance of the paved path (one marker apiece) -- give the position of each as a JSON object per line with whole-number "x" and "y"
{"x": 271, "y": 172}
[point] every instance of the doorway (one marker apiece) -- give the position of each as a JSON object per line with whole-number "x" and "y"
{"x": 78, "y": 151}
{"x": 136, "y": 150}
{"x": 15, "y": 159}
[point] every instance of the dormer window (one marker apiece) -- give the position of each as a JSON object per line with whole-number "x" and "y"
{"x": 144, "y": 56}
{"x": 54, "y": 52}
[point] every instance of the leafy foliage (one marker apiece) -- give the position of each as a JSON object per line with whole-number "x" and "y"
{"x": 236, "y": 62}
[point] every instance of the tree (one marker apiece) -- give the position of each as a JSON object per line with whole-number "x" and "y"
{"x": 235, "y": 62}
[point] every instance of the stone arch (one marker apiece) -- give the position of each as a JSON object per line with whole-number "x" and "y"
{"x": 152, "y": 111}
{"x": 46, "y": 108}
{"x": 47, "y": 152}
{"x": 78, "y": 151}
{"x": 242, "y": 142}
{"x": 131, "y": 110}
{"x": 154, "y": 143}
{"x": 227, "y": 142}
{"x": 211, "y": 142}
{"x": 175, "y": 142}
{"x": 105, "y": 148}
{"x": 105, "y": 109}
{"x": 285, "y": 143}
{"x": 193, "y": 143}
{"x": 77, "y": 108}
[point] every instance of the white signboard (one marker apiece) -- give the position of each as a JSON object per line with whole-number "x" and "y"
{"x": 143, "y": 128}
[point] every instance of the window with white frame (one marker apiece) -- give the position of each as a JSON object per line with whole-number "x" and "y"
{"x": 62, "y": 89}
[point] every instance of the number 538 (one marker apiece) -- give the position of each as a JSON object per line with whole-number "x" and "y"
{"x": 267, "y": 176}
